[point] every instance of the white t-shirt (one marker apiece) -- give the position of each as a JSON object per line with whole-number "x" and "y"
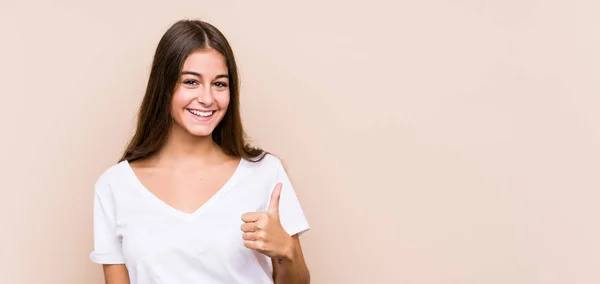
{"x": 160, "y": 244}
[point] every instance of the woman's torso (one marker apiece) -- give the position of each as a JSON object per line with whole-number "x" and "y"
{"x": 161, "y": 244}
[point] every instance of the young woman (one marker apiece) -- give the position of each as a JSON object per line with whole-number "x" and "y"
{"x": 190, "y": 201}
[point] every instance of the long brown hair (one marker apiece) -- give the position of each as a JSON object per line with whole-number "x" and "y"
{"x": 154, "y": 119}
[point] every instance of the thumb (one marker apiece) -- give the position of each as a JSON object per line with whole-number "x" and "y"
{"x": 274, "y": 203}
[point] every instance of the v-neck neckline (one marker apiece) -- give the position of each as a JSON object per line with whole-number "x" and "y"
{"x": 205, "y": 206}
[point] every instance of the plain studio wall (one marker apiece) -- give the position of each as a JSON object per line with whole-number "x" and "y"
{"x": 429, "y": 141}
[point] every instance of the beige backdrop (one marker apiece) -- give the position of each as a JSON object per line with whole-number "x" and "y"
{"x": 430, "y": 141}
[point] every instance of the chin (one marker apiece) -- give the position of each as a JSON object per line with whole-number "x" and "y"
{"x": 200, "y": 132}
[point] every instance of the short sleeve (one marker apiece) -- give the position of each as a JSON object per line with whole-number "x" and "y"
{"x": 107, "y": 245}
{"x": 291, "y": 215}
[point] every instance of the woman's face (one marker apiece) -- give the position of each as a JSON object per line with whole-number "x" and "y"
{"x": 202, "y": 93}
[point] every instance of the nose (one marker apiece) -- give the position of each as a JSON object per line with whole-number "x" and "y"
{"x": 205, "y": 96}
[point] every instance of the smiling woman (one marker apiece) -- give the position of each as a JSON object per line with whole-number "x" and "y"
{"x": 190, "y": 201}
{"x": 191, "y": 55}
{"x": 202, "y": 95}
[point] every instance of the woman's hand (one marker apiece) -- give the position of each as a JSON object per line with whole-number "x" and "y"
{"x": 263, "y": 231}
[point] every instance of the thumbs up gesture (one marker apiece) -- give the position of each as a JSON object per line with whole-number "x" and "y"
{"x": 263, "y": 231}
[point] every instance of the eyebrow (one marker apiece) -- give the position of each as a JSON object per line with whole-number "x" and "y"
{"x": 200, "y": 75}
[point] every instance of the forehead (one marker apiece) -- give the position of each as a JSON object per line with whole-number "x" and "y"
{"x": 205, "y": 61}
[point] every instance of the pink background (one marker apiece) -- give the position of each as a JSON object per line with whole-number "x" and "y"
{"x": 429, "y": 141}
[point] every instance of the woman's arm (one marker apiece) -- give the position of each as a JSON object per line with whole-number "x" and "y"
{"x": 115, "y": 274}
{"x": 291, "y": 269}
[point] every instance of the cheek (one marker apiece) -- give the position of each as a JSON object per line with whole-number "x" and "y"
{"x": 223, "y": 100}
{"x": 175, "y": 106}
{"x": 181, "y": 99}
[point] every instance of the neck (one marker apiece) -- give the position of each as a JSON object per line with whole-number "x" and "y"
{"x": 183, "y": 148}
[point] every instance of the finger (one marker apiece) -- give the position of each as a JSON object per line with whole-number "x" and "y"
{"x": 251, "y": 216}
{"x": 249, "y": 227}
{"x": 274, "y": 203}
{"x": 254, "y": 245}
{"x": 249, "y": 236}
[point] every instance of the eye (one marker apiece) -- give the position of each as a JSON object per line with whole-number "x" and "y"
{"x": 221, "y": 84}
{"x": 190, "y": 82}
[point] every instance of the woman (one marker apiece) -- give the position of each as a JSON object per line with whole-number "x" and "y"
{"x": 190, "y": 201}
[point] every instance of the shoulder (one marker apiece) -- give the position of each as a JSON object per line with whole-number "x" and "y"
{"x": 269, "y": 161}
{"x": 110, "y": 176}
{"x": 270, "y": 166}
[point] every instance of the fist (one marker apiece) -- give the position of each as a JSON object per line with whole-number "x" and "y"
{"x": 262, "y": 231}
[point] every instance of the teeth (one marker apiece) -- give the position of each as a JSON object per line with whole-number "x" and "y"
{"x": 201, "y": 113}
